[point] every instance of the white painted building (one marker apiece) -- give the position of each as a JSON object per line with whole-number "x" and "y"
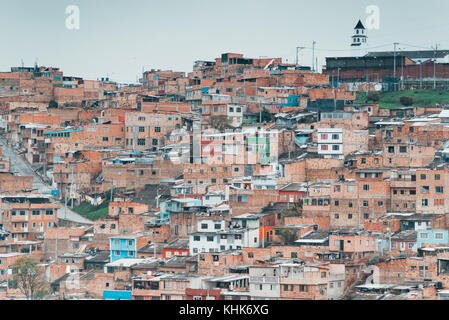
{"x": 330, "y": 143}
{"x": 213, "y": 237}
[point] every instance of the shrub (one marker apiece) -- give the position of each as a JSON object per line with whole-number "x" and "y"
{"x": 53, "y": 104}
{"x": 406, "y": 101}
{"x": 373, "y": 96}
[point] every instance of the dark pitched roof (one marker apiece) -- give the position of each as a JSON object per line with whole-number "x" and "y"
{"x": 359, "y": 25}
{"x": 149, "y": 193}
{"x": 178, "y": 244}
{"x": 316, "y": 235}
{"x": 406, "y": 235}
{"x": 99, "y": 257}
{"x": 419, "y": 54}
{"x": 149, "y": 248}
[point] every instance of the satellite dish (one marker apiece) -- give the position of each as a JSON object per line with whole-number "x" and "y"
{"x": 378, "y": 87}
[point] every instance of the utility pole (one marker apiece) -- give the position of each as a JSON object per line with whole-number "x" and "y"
{"x": 297, "y": 51}
{"x": 313, "y": 56}
{"x": 263, "y": 232}
{"x": 72, "y": 191}
{"x": 402, "y": 72}
{"x": 434, "y": 67}
{"x": 420, "y": 75}
{"x": 338, "y": 77}
{"x": 394, "y": 63}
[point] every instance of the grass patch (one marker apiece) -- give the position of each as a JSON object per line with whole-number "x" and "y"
{"x": 421, "y": 98}
{"x": 91, "y": 212}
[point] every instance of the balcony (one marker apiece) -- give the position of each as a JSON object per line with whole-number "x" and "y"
{"x": 264, "y": 279}
{"x": 19, "y": 218}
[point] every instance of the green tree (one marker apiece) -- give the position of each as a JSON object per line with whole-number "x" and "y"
{"x": 373, "y": 96}
{"x": 288, "y": 236}
{"x": 29, "y": 276}
{"x": 53, "y": 104}
{"x": 220, "y": 122}
{"x": 266, "y": 116}
{"x": 406, "y": 101}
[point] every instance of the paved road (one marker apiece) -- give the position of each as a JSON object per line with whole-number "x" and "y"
{"x": 21, "y": 167}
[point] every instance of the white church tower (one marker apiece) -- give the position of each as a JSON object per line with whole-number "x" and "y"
{"x": 359, "y": 40}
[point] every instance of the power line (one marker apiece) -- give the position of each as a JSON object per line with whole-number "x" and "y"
{"x": 317, "y": 49}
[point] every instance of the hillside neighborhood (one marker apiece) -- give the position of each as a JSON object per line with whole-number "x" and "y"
{"x": 244, "y": 179}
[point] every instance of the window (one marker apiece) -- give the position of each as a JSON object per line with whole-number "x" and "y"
{"x": 335, "y": 136}
{"x": 425, "y": 202}
{"x": 210, "y": 238}
{"x": 403, "y": 149}
{"x": 157, "y": 129}
{"x": 390, "y": 149}
{"x": 365, "y": 216}
{"x": 424, "y": 235}
{"x": 439, "y": 235}
{"x": 337, "y": 216}
{"x": 337, "y": 203}
{"x": 35, "y": 212}
{"x": 423, "y": 177}
{"x": 366, "y": 187}
{"x": 335, "y": 147}
{"x": 204, "y": 226}
{"x": 350, "y": 216}
{"x": 437, "y": 177}
{"x": 49, "y": 212}
{"x": 303, "y": 288}
{"x": 196, "y": 238}
{"x": 217, "y": 226}
{"x": 439, "y": 189}
{"x": 105, "y": 139}
{"x": 141, "y": 129}
{"x": 365, "y": 203}
{"x": 140, "y": 142}
{"x": 424, "y": 189}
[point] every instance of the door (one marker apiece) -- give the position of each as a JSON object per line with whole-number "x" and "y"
{"x": 342, "y": 245}
{"x": 292, "y": 198}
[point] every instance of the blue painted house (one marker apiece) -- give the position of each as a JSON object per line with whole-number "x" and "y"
{"x": 117, "y": 295}
{"x": 426, "y": 237}
{"x": 123, "y": 247}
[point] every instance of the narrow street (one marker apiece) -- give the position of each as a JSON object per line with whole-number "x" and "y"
{"x": 21, "y": 167}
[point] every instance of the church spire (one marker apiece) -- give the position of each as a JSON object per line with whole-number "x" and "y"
{"x": 359, "y": 38}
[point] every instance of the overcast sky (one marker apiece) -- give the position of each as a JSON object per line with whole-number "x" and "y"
{"x": 117, "y": 38}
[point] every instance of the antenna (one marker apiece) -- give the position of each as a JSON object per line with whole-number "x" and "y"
{"x": 313, "y": 56}
{"x": 297, "y": 51}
